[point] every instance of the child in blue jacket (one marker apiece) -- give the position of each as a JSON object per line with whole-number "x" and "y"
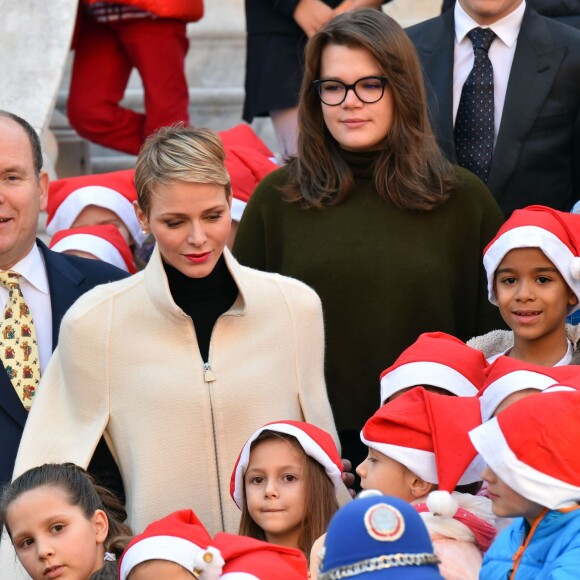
{"x": 534, "y": 475}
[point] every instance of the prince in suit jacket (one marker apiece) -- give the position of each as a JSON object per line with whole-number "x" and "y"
{"x": 23, "y": 188}
{"x": 536, "y": 158}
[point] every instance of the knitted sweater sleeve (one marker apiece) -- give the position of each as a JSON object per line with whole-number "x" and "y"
{"x": 257, "y": 241}
{"x": 490, "y": 220}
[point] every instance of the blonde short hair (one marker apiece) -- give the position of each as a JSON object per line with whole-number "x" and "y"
{"x": 180, "y": 154}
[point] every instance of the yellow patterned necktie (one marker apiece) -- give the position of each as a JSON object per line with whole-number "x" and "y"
{"x": 18, "y": 346}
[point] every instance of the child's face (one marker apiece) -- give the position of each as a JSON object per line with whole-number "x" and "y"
{"x": 276, "y": 490}
{"x": 95, "y": 215}
{"x": 155, "y": 569}
{"x": 507, "y": 503}
{"x": 532, "y": 295}
{"x": 388, "y": 476}
{"x": 54, "y": 539}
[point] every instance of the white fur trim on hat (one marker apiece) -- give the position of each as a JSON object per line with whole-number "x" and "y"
{"x": 237, "y": 209}
{"x": 238, "y": 576}
{"x": 94, "y": 245}
{"x": 309, "y": 445}
{"x": 79, "y": 199}
{"x": 473, "y": 472}
{"x": 414, "y": 374}
{"x": 559, "y": 389}
{"x": 511, "y": 383}
{"x": 530, "y": 483}
{"x": 420, "y": 462}
{"x": 531, "y": 237}
{"x": 170, "y": 548}
{"x": 423, "y": 463}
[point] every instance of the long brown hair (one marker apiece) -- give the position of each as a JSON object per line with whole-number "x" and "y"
{"x": 320, "y": 498}
{"x": 410, "y": 171}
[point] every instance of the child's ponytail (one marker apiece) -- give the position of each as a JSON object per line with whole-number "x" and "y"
{"x": 119, "y": 535}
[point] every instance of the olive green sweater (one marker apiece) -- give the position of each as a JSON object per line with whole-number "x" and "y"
{"x": 384, "y": 275}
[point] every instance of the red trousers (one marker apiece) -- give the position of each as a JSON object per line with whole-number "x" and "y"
{"x": 105, "y": 55}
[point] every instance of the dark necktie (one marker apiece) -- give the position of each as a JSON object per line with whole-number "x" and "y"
{"x": 474, "y": 126}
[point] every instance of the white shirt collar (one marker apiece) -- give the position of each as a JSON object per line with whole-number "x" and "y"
{"x": 33, "y": 270}
{"x": 506, "y": 28}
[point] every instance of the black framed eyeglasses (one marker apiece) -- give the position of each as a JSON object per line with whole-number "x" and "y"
{"x": 368, "y": 90}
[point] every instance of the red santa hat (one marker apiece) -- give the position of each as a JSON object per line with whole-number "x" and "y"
{"x": 508, "y": 375}
{"x": 428, "y": 434}
{"x": 115, "y": 191}
{"x": 250, "y": 559}
{"x": 181, "y": 538}
{"x": 248, "y": 161}
{"x": 532, "y": 446}
{"x": 436, "y": 359}
{"x": 556, "y": 233}
{"x": 315, "y": 442}
{"x": 105, "y": 242}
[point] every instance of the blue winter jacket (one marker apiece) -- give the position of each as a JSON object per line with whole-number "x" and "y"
{"x": 552, "y": 554}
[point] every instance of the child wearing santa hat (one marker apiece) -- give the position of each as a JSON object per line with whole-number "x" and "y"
{"x": 419, "y": 451}
{"x": 285, "y": 482}
{"x": 103, "y": 242}
{"x": 509, "y": 380}
{"x": 89, "y": 200}
{"x": 534, "y": 475}
{"x": 177, "y": 546}
{"x": 378, "y": 537}
{"x": 438, "y": 362}
{"x": 533, "y": 273}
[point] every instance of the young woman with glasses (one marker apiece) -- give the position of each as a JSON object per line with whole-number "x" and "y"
{"x": 371, "y": 215}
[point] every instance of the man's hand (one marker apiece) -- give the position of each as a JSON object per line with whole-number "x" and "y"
{"x": 310, "y": 15}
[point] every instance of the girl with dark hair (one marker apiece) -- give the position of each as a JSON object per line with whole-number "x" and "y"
{"x": 61, "y": 522}
{"x": 370, "y": 214}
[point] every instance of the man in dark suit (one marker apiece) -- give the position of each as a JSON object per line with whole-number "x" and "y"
{"x": 50, "y": 282}
{"x": 536, "y": 75}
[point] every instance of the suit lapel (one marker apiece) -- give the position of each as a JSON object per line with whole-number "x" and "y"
{"x": 65, "y": 283}
{"x": 436, "y": 53}
{"x": 536, "y": 63}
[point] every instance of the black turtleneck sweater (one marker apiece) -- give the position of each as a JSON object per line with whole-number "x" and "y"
{"x": 204, "y": 300}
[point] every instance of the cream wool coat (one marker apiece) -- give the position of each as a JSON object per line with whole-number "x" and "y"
{"x": 128, "y": 365}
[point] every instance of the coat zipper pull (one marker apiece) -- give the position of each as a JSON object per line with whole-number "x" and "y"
{"x": 208, "y": 375}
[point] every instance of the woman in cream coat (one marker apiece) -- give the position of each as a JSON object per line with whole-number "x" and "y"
{"x": 179, "y": 364}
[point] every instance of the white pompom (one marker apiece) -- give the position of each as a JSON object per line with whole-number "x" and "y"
{"x": 442, "y": 503}
{"x": 575, "y": 268}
